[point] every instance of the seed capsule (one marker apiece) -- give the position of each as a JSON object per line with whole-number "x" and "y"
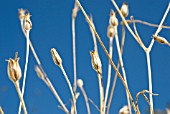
{"x": 124, "y": 9}
{"x": 80, "y": 82}
{"x": 161, "y": 40}
{"x": 113, "y": 20}
{"x": 14, "y": 70}
{"x": 96, "y": 63}
{"x": 110, "y": 31}
{"x": 27, "y": 24}
{"x": 56, "y": 57}
{"x": 39, "y": 73}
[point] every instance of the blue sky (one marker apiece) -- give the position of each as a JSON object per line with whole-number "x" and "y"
{"x": 52, "y": 28}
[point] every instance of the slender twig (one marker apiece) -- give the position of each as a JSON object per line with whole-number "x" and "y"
{"x": 94, "y": 104}
{"x": 126, "y": 24}
{"x": 115, "y": 76}
{"x": 74, "y": 14}
{"x": 147, "y": 23}
{"x": 46, "y": 80}
{"x": 106, "y": 52}
{"x": 109, "y": 72}
{"x": 70, "y": 87}
{"x": 1, "y": 111}
{"x": 101, "y": 89}
{"x": 20, "y": 96}
{"x": 80, "y": 85}
{"x": 25, "y": 69}
{"x": 122, "y": 66}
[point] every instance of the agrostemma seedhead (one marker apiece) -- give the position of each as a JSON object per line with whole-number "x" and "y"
{"x": 96, "y": 63}
{"x": 14, "y": 70}
{"x": 27, "y": 24}
{"x": 113, "y": 20}
{"x": 124, "y": 9}
{"x": 56, "y": 57}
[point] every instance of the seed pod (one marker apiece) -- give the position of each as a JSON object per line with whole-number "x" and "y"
{"x": 160, "y": 39}
{"x": 113, "y": 20}
{"x": 110, "y": 31}
{"x": 14, "y": 70}
{"x": 27, "y": 24}
{"x": 124, "y": 110}
{"x": 80, "y": 82}
{"x": 39, "y": 73}
{"x": 96, "y": 63}
{"x": 56, "y": 57}
{"x": 124, "y": 9}
{"x": 21, "y": 13}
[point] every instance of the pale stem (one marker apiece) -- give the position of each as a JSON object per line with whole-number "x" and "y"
{"x": 107, "y": 54}
{"x": 20, "y": 96}
{"x": 1, "y": 111}
{"x": 86, "y": 99}
{"x": 124, "y": 21}
{"x": 118, "y": 65}
{"x": 74, "y": 54}
{"x": 25, "y": 70}
{"x": 109, "y": 72}
{"x": 160, "y": 27}
{"x": 49, "y": 84}
{"x": 70, "y": 87}
{"x": 150, "y": 80}
{"x": 122, "y": 66}
{"x": 101, "y": 89}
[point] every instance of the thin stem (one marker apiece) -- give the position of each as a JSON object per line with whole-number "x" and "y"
{"x": 94, "y": 104}
{"x": 70, "y": 87}
{"x": 109, "y": 72}
{"x": 20, "y": 96}
{"x": 160, "y": 27}
{"x": 124, "y": 21}
{"x": 147, "y": 23}
{"x": 74, "y": 54}
{"x": 118, "y": 65}
{"x": 1, "y": 111}
{"x": 101, "y": 89}
{"x": 50, "y": 85}
{"x": 25, "y": 70}
{"x": 107, "y": 54}
{"x": 122, "y": 66}
{"x": 86, "y": 99}
{"x": 150, "y": 80}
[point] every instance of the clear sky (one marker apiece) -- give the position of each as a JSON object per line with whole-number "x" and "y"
{"x": 52, "y": 28}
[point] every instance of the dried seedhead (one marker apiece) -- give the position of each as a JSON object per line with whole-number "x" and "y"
{"x": 56, "y": 57}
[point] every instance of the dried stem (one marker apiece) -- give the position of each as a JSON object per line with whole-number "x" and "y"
{"x": 1, "y": 111}
{"x": 118, "y": 65}
{"x": 70, "y": 87}
{"x": 109, "y": 72}
{"x": 101, "y": 89}
{"x": 20, "y": 96}
{"x": 122, "y": 66}
{"x": 25, "y": 69}
{"x": 74, "y": 14}
{"x": 106, "y": 52}
{"x": 86, "y": 99}
{"x": 146, "y": 23}
{"x": 94, "y": 104}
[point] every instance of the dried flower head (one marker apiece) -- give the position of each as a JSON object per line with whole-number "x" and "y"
{"x": 96, "y": 63}
{"x": 56, "y": 57}
{"x": 21, "y": 13}
{"x": 124, "y": 9}
{"x": 113, "y": 20}
{"x": 39, "y": 73}
{"x": 27, "y": 24}
{"x": 14, "y": 70}
{"x": 110, "y": 31}
{"x": 161, "y": 40}
{"x": 80, "y": 82}
{"x": 124, "y": 110}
